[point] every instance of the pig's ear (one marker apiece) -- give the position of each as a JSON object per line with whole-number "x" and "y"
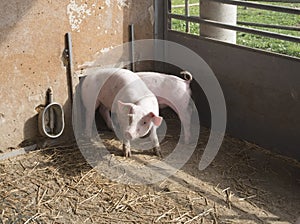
{"x": 155, "y": 119}
{"x": 126, "y": 107}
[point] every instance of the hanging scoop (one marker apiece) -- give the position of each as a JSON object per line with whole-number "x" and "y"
{"x": 51, "y": 118}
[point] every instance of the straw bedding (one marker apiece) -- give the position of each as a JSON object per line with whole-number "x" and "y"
{"x": 244, "y": 184}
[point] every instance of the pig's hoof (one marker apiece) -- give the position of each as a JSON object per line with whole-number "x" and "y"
{"x": 126, "y": 151}
{"x": 157, "y": 151}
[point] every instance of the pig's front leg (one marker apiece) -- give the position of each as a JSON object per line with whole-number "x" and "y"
{"x": 154, "y": 139}
{"x": 126, "y": 148}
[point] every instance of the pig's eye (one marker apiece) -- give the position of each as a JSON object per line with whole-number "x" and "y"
{"x": 144, "y": 122}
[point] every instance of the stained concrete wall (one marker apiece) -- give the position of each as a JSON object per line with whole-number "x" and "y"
{"x": 31, "y": 47}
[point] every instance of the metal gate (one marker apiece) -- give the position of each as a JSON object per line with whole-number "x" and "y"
{"x": 261, "y": 89}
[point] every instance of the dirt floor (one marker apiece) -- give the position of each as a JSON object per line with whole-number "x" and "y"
{"x": 244, "y": 184}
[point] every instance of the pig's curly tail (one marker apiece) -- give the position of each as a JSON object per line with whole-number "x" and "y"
{"x": 187, "y": 75}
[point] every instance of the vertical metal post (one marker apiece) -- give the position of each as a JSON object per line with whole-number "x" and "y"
{"x": 167, "y": 11}
{"x": 69, "y": 64}
{"x": 164, "y": 24}
{"x": 160, "y": 27}
{"x": 218, "y": 12}
{"x": 132, "y": 49}
{"x": 199, "y": 17}
{"x": 159, "y": 19}
{"x": 187, "y": 13}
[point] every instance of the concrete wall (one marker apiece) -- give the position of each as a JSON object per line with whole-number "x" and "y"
{"x": 31, "y": 46}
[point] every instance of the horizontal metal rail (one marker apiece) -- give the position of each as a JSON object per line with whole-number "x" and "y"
{"x": 235, "y": 27}
{"x": 293, "y": 28}
{"x": 277, "y": 1}
{"x": 181, "y": 6}
{"x": 260, "y": 6}
{"x": 271, "y": 1}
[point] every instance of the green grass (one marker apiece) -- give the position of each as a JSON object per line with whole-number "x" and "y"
{"x": 269, "y": 17}
{"x": 256, "y": 16}
{"x": 194, "y": 10}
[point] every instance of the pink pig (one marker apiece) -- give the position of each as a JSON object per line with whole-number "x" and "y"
{"x": 125, "y": 94}
{"x": 173, "y": 92}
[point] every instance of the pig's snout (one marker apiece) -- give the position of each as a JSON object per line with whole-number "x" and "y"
{"x": 128, "y": 135}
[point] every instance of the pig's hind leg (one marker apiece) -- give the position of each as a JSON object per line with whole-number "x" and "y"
{"x": 104, "y": 111}
{"x": 184, "y": 113}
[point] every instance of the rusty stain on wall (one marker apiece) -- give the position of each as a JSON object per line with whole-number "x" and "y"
{"x": 31, "y": 45}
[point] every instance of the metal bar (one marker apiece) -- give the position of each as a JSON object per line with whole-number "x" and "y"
{"x": 277, "y": 1}
{"x": 168, "y": 8}
{"x": 159, "y": 19}
{"x": 132, "y": 49}
{"x": 181, "y": 6}
{"x": 237, "y": 28}
{"x": 68, "y": 52}
{"x": 17, "y": 152}
{"x": 156, "y": 21}
{"x": 261, "y": 6}
{"x": 273, "y": 1}
{"x": 187, "y": 13}
{"x": 253, "y": 31}
{"x": 269, "y": 26}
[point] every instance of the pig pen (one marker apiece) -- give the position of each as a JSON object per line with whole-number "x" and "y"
{"x": 244, "y": 184}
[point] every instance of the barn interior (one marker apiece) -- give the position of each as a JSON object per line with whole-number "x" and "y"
{"x": 246, "y": 99}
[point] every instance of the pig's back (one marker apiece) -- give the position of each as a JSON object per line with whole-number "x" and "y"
{"x": 123, "y": 85}
{"x": 159, "y": 82}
